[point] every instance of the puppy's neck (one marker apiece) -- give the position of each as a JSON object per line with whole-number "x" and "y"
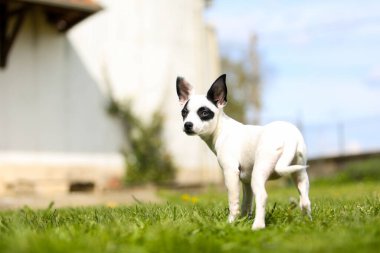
{"x": 222, "y": 122}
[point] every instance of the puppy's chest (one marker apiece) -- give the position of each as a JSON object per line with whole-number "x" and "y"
{"x": 242, "y": 152}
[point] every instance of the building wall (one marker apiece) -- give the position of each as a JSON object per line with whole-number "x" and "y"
{"x": 53, "y": 125}
{"x": 52, "y": 111}
{"x": 49, "y": 102}
{"x": 141, "y": 47}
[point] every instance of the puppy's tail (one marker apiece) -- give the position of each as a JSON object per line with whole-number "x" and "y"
{"x": 289, "y": 153}
{"x": 289, "y": 169}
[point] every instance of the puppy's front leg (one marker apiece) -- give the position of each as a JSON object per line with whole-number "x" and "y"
{"x": 231, "y": 179}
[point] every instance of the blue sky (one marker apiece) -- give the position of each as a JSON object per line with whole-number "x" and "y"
{"x": 321, "y": 59}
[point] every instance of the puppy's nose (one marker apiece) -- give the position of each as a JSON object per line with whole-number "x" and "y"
{"x": 188, "y": 126}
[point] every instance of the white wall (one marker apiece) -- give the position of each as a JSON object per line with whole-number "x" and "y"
{"x": 143, "y": 46}
{"x": 52, "y": 92}
{"x": 48, "y": 101}
{"x": 54, "y": 128}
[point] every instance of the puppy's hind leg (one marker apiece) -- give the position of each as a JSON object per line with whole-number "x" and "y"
{"x": 301, "y": 180}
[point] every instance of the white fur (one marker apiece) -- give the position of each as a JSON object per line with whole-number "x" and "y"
{"x": 252, "y": 155}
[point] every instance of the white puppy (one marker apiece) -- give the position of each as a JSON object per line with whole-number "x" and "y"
{"x": 246, "y": 153}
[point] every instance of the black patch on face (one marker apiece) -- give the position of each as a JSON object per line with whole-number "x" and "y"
{"x": 185, "y": 111}
{"x": 205, "y": 113}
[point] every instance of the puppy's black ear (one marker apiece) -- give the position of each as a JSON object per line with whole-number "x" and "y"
{"x": 184, "y": 90}
{"x": 217, "y": 93}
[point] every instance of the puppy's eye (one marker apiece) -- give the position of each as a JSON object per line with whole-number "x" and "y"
{"x": 205, "y": 114}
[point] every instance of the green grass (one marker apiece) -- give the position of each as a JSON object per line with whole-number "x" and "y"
{"x": 346, "y": 218}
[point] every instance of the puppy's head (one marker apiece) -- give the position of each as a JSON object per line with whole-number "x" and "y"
{"x": 200, "y": 112}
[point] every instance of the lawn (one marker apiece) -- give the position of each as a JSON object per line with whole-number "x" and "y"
{"x": 346, "y": 218}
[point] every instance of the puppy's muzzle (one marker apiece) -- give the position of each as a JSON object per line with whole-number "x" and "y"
{"x": 188, "y": 128}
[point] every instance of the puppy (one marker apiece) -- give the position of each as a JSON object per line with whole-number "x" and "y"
{"x": 246, "y": 153}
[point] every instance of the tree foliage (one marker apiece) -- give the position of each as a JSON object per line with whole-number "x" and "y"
{"x": 245, "y": 80}
{"x": 145, "y": 155}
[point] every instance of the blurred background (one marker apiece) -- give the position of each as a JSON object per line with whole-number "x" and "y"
{"x": 87, "y": 88}
{"x": 317, "y": 62}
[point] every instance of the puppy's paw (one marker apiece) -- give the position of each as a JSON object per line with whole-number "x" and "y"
{"x": 248, "y": 216}
{"x": 231, "y": 218}
{"x": 306, "y": 208}
{"x": 258, "y": 225}
{"x": 246, "y": 212}
{"x": 307, "y": 212}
